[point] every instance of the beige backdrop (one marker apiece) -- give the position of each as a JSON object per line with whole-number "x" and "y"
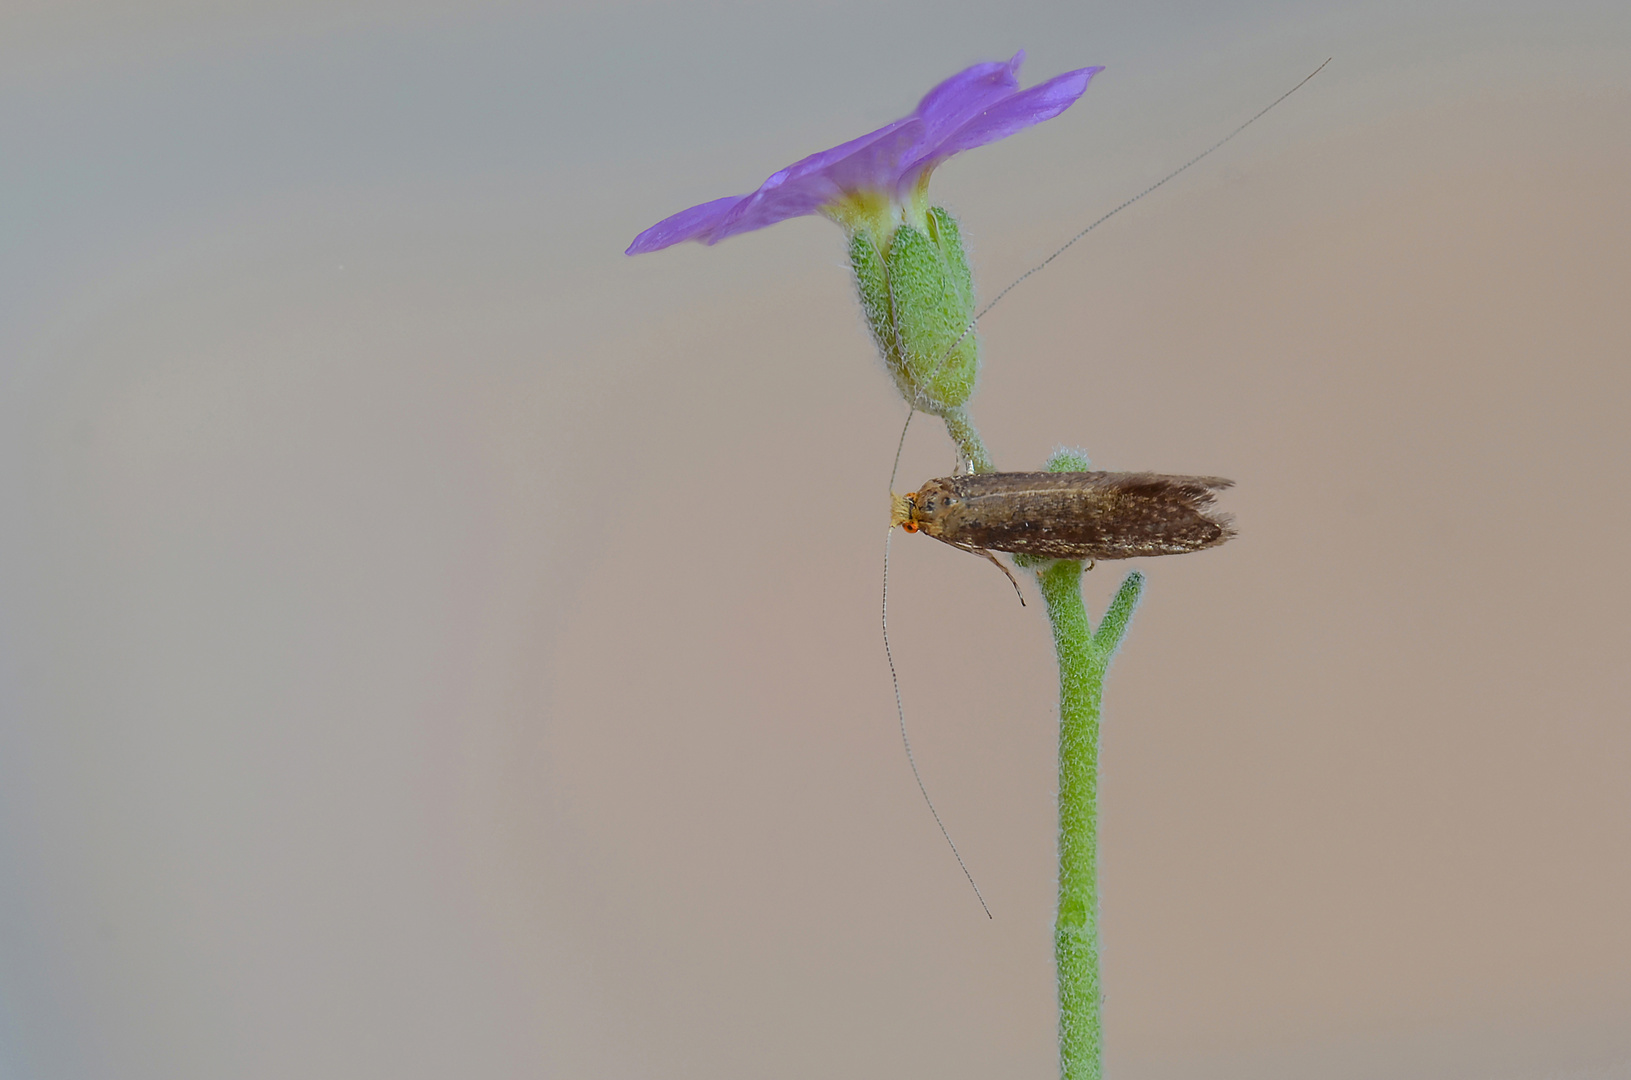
{"x": 432, "y": 644}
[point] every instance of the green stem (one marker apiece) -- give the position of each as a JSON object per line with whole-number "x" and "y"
{"x": 1084, "y": 657}
{"x": 967, "y": 437}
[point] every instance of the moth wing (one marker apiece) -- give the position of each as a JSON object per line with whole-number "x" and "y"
{"x": 1158, "y": 514}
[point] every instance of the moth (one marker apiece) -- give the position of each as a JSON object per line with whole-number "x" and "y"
{"x": 1067, "y": 515}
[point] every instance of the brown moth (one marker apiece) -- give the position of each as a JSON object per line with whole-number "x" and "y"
{"x": 1067, "y": 515}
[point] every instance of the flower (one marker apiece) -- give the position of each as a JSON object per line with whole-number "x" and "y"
{"x": 880, "y": 179}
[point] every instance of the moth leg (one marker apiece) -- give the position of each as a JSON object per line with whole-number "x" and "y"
{"x": 994, "y": 561}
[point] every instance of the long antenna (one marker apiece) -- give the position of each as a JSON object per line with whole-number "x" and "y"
{"x": 894, "y": 472}
{"x": 900, "y": 711}
{"x": 969, "y": 329}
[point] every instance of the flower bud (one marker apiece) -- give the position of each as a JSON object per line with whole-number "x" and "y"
{"x": 1069, "y": 459}
{"x": 918, "y": 294}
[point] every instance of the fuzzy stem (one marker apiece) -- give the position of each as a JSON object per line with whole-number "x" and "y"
{"x": 1084, "y": 657}
{"x": 967, "y": 437}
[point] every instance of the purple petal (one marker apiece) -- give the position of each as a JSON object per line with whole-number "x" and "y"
{"x": 869, "y": 164}
{"x": 826, "y": 158}
{"x": 806, "y": 195}
{"x": 1007, "y": 117}
{"x": 804, "y": 187}
{"x": 963, "y": 95}
{"x": 873, "y": 167}
{"x": 686, "y": 225}
{"x": 980, "y": 104}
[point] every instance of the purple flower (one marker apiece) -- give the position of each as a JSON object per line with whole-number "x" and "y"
{"x": 880, "y": 179}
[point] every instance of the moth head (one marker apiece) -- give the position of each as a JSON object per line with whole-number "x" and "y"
{"x": 920, "y": 510}
{"x": 903, "y": 511}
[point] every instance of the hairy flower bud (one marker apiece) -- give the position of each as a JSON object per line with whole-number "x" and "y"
{"x": 1069, "y": 459}
{"x": 918, "y": 294}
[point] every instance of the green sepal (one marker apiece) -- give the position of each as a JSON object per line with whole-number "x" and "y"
{"x": 918, "y": 295}
{"x": 872, "y": 286}
{"x": 934, "y": 302}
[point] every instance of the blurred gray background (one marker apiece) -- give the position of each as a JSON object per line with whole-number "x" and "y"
{"x": 434, "y": 644}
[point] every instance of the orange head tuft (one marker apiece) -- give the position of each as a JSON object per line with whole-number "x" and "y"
{"x": 903, "y": 511}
